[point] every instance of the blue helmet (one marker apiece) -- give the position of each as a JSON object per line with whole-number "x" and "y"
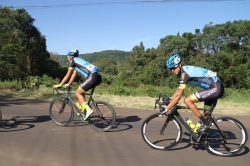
{"x": 74, "y": 53}
{"x": 173, "y": 61}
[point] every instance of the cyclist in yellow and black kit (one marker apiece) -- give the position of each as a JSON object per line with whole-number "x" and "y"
{"x": 206, "y": 79}
{"x": 86, "y": 69}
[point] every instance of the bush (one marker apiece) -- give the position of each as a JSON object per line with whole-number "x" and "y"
{"x": 11, "y": 85}
{"x": 121, "y": 90}
{"x": 48, "y": 81}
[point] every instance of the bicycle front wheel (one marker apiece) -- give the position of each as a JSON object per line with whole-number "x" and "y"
{"x": 230, "y": 141}
{"x": 61, "y": 111}
{"x": 161, "y": 135}
{"x": 103, "y": 117}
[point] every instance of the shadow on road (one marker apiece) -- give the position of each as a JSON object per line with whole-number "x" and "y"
{"x": 18, "y": 123}
{"x": 10, "y": 100}
{"x": 121, "y": 123}
{"x": 77, "y": 122}
{"x": 246, "y": 151}
{"x": 185, "y": 143}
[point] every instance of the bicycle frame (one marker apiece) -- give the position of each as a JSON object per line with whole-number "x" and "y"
{"x": 174, "y": 113}
{"x": 68, "y": 98}
{"x": 92, "y": 101}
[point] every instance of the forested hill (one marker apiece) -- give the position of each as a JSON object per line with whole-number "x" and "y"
{"x": 115, "y": 55}
{"x": 112, "y": 55}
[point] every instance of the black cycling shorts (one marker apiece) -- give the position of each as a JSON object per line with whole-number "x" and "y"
{"x": 208, "y": 95}
{"x": 91, "y": 81}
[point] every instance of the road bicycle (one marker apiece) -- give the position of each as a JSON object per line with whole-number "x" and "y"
{"x": 61, "y": 111}
{"x": 226, "y": 137}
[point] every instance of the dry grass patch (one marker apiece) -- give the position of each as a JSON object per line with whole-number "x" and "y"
{"x": 223, "y": 106}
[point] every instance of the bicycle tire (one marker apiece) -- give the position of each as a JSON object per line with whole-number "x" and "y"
{"x": 170, "y": 137}
{"x": 106, "y": 120}
{"x": 236, "y": 137}
{"x": 65, "y": 117}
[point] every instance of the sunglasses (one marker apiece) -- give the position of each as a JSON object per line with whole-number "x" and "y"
{"x": 173, "y": 68}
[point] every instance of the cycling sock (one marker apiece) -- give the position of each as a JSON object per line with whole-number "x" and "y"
{"x": 86, "y": 106}
{"x": 204, "y": 121}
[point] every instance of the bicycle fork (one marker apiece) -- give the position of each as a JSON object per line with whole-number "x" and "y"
{"x": 165, "y": 124}
{"x": 63, "y": 106}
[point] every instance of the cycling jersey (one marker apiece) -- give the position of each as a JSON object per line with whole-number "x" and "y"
{"x": 83, "y": 67}
{"x": 197, "y": 76}
{"x": 88, "y": 70}
{"x": 206, "y": 79}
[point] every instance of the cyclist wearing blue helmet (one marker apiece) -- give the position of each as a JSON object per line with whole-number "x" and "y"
{"x": 204, "y": 78}
{"x": 86, "y": 69}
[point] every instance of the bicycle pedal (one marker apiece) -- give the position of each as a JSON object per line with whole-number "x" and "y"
{"x": 194, "y": 145}
{"x": 82, "y": 118}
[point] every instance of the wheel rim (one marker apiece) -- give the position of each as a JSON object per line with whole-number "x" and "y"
{"x": 235, "y": 138}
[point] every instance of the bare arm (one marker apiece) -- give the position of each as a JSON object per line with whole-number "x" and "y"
{"x": 72, "y": 78}
{"x": 174, "y": 93}
{"x": 67, "y": 76}
{"x": 175, "y": 98}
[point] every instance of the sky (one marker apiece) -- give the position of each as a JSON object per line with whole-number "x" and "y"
{"x": 98, "y": 25}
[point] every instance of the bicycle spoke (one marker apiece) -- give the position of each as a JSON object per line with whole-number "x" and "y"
{"x": 103, "y": 117}
{"x": 159, "y": 136}
{"x": 61, "y": 113}
{"x": 235, "y": 137}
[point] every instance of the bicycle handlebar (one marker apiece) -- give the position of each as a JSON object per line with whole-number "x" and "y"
{"x": 67, "y": 88}
{"x": 165, "y": 100}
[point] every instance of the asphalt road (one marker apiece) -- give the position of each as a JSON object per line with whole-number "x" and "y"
{"x": 28, "y": 137}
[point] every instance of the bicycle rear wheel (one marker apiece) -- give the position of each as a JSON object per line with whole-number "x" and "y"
{"x": 151, "y": 132}
{"x": 103, "y": 117}
{"x": 235, "y": 139}
{"x": 61, "y": 111}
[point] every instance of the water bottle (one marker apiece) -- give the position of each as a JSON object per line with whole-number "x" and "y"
{"x": 197, "y": 126}
{"x": 190, "y": 123}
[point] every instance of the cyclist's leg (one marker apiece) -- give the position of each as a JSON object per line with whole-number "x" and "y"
{"x": 93, "y": 80}
{"x": 80, "y": 94}
{"x": 190, "y": 102}
{"x": 214, "y": 92}
{"x": 209, "y": 105}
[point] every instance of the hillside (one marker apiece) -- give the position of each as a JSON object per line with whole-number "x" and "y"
{"x": 115, "y": 55}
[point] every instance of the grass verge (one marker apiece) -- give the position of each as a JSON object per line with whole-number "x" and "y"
{"x": 234, "y": 104}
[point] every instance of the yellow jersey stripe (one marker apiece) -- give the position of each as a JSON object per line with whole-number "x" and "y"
{"x": 182, "y": 86}
{"x": 194, "y": 98}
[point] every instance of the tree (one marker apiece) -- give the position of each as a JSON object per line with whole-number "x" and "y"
{"x": 22, "y": 47}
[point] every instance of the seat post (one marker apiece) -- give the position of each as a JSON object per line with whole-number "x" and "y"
{"x": 92, "y": 90}
{"x": 213, "y": 105}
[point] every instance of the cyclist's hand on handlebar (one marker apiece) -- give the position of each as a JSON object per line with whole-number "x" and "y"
{"x": 163, "y": 110}
{"x": 57, "y": 86}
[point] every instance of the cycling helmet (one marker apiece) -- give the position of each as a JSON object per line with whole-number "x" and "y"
{"x": 173, "y": 61}
{"x": 74, "y": 53}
